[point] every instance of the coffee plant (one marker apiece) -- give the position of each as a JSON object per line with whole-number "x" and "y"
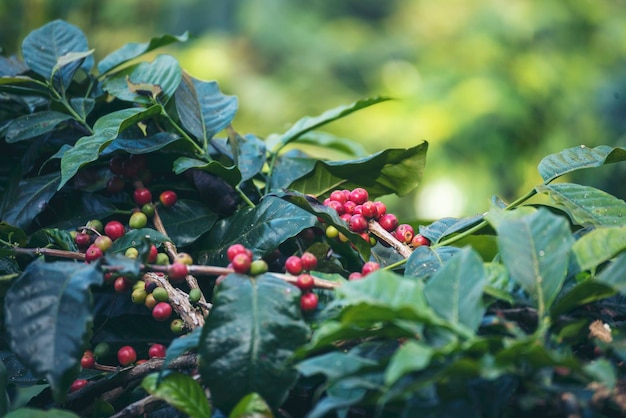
{"x": 156, "y": 262}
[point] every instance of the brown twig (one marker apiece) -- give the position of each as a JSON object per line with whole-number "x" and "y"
{"x": 179, "y": 301}
{"x": 51, "y": 252}
{"x": 403, "y": 249}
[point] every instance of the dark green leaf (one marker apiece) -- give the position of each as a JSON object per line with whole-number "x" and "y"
{"x": 582, "y": 294}
{"x": 261, "y": 229}
{"x": 396, "y": 171}
{"x": 106, "y": 129}
{"x": 35, "y": 124}
{"x": 577, "y": 158}
{"x": 55, "y": 238}
{"x": 329, "y": 141}
{"x": 455, "y": 291}
{"x": 48, "y": 312}
{"x": 11, "y": 66}
{"x": 249, "y": 152}
{"x": 248, "y": 340}
{"x": 180, "y": 345}
{"x": 12, "y": 234}
{"x": 335, "y": 365}
{"x": 82, "y": 106}
{"x": 134, "y": 237}
{"x": 586, "y": 205}
{"x": 535, "y": 247}
{"x": 143, "y": 145}
{"x": 531, "y": 352}
{"x": 133, "y": 50}
{"x": 32, "y": 198}
{"x": 67, "y": 64}
{"x": 309, "y": 123}
{"x": 40, "y": 413}
{"x": 230, "y": 174}
{"x": 603, "y": 372}
{"x": 412, "y": 356}
{"x": 614, "y": 274}
{"x": 180, "y": 391}
{"x": 448, "y": 226}
{"x": 4, "y": 397}
{"x": 598, "y": 246}
{"x": 90, "y": 206}
{"x": 202, "y": 108}
{"x": 43, "y": 47}
{"x": 289, "y": 167}
{"x": 186, "y": 221}
{"x": 426, "y": 260}
{"x": 251, "y": 406}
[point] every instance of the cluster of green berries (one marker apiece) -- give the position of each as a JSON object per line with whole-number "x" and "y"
{"x": 355, "y": 208}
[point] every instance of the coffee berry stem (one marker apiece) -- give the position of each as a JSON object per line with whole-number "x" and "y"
{"x": 50, "y": 252}
{"x": 381, "y": 233}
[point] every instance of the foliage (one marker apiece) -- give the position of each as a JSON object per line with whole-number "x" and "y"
{"x": 513, "y": 312}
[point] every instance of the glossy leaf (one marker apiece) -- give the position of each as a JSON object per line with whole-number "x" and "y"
{"x": 396, "y": 171}
{"x": 586, "y": 206}
{"x": 106, "y": 129}
{"x": 335, "y": 365}
{"x": 251, "y": 406}
{"x": 448, "y": 226}
{"x": 577, "y": 158}
{"x": 186, "y": 221}
{"x": 534, "y": 246}
{"x": 249, "y": 154}
{"x": 412, "y": 356}
{"x": 143, "y": 145}
{"x": 180, "y": 391}
{"x": 43, "y": 47}
{"x": 180, "y": 345}
{"x": 309, "y": 123}
{"x": 583, "y": 293}
{"x": 261, "y": 229}
{"x": 614, "y": 274}
{"x": 133, "y": 237}
{"x": 289, "y": 167}
{"x": 35, "y": 124}
{"x": 230, "y": 174}
{"x": 248, "y": 340}
{"x": 203, "y": 109}
{"x": 69, "y": 62}
{"x": 89, "y": 206}
{"x": 133, "y": 50}
{"x": 33, "y": 195}
{"x": 48, "y": 312}
{"x": 598, "y": 246}
{"x": 455, "y": 291}
{"x": 82, "y": 106}
{"x": 424, "y": 261}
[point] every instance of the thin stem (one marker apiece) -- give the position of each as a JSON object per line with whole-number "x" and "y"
{"x": 270, "y": 171}
{"x": 70, "y": 109}
{"x": 181, "y": 131}
{"x": 244, "y": 197}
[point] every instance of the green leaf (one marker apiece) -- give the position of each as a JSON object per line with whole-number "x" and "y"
{"x": 577, "y": 158}
{"x": 583, "y": 293}
{"x": 598, "y": 246}
{"x": 82, "y": 106}
{"x": 32, "y": 198}
{"x": 603, "y": 372}
{"x": 48, "y": 312}
{"x": 534, "y": 246}
{"x": 230, "y": 174}
{"x": 143, "y": 145}
{"x": 133, "y": 50}
{"x": 34, "y": 124}
{"x": 180, "y": 345}
{"x": 186, "y": 221}
{"x": 249, "y": 153}
{"x": 248, "y": 340}
{"x": 586, "y": 205}
{"x": 12, "y": 234}
{"x": 330, "y": 141}
{"x": 251, "y": 406}
{"x": 424, "y": 261}
{"x": 134, "y": 237}
{"x": 43, "y": 47}
{"x": 289, "y": 167}
{"x": 455, "y": 291}
{"x": 106, "y": 129}
{"x": 180, "y": 391}
{"x": 309, "y": 123}
{"x": 261, "y": 229}
{"x": 162, "y": 76}
{"x": 203, "y": 109}
{"x": 448, "y": 226}
{"x": 40, "y": 413}
{"x": 90, "y": 206}
{"x": 71, "y": 60}
{"x": 335, "y": 365}
{"x": 614, "y": 274}
{"x": 396, "y": 171}
{"x": 413, "y": 356}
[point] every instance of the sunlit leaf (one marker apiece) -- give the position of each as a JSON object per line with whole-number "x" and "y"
{"x": 35, "y": 124}
{"x": 577, "y": 158}
{"x": 412, "y": 356}
{"x": 424, "y": 261}
{"x": 230, "y": 174}
{"x": 180, "y": 391}
{"x": 598, "y": 246}
{"x": 251, "y": 406}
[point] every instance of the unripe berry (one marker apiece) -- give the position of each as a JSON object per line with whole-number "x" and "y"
{"x": 103, "y": 242}
{"x": 177, "y": 326}
{"x": 138, "y": 220}
{"x": 258, "y": 267}
{"x": 332, "y": 232}
{"x": 162, "y": 259}
{"x": 148, "y": 209}
{"x": 131, "y": 252}
{"x": 160, "y": 294}
{"x": 138, "y": 296}
{"x": 195, "y": 295}
{"x": 96, "y": 224}
{"x": 184, "y": 258}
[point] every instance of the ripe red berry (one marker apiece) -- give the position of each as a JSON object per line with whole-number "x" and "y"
{"x": 305, "y": 282}
{"x": 419, "y": 240}
{"x": 142, "y": 196}
{"x": 88, "y": 360}
{"x": 348, "y": 207}
{"x": 115, "y": 185}
{"x": 309, "y": 261}
{"x": 233, "y": 250}
{"x": 121, "y": 284}
{"x": 381, "y": 208}
{"x": 168, "y": 198}
{"x": 358, "y": 223}
{"x": 404, "y": 233}
{"x": 355, "y": 276}
{"x": 389, "y": 222}
{"x": 369, "y": 267}
{"x": 156, "y": 350}
{"x": 346, "y": 193}
{"x": 338, "y": 196}
{"x": 338, "y": 206}
{"x": 177, "y": 271}
{"x": 293, "y": 265}
{"x": 114, "y": 230}
{"x": 126, "y": 355}
{"x": 346, "y": 217}
{"x": 162, "y": 311}
{"x": 241, "y": 263}
{"x": 358, "y": 210}
{"x": 152, "y": 255}
{"x": 369, "y": 210}
{"x": 308, "y": 302}
{"x": 92, "y": 253}
{"x": 82, "y": 240}
{"x": 78, "y": 384}
{"x": 359, "y": 195}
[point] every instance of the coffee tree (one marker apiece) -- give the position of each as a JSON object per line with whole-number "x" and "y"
{"x": 156, "y": 261}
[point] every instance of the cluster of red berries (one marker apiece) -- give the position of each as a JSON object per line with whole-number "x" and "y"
{"x": 300, "y": 266}
{"x": 125, "y": 168}
{"x": 241, "y": 260}
{"x": 367, "y": 268}
{"x": 355, "y": 208}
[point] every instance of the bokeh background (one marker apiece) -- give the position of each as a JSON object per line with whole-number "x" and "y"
{"x": 492, "y": 85}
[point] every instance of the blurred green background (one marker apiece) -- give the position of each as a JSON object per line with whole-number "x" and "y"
{"x": 492, "y": 85}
